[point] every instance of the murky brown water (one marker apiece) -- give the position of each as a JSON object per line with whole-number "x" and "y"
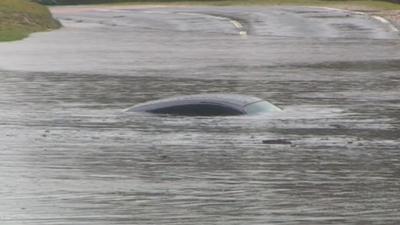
{"x": 69, "y": 155}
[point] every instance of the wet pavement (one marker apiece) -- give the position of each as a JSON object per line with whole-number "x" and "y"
{"x": 70, "y": 155}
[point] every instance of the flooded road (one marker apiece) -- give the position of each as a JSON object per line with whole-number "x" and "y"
{"x": 69, "y": 155}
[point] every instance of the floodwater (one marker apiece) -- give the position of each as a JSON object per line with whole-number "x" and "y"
{"x": 69, "y": 155}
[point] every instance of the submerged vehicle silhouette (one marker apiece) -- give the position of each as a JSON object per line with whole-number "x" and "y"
{"x": 207, "y": 105}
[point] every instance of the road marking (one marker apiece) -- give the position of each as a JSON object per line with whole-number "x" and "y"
{"x": 239, "y": 26}
{"x": 243, "y": 33}
{"x": 236, "y": 24}
{"x": 385, "y": 21}
{"x": 379, "y": 18}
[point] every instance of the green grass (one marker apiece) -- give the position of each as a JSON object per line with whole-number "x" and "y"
{"x": 19, "y": 18}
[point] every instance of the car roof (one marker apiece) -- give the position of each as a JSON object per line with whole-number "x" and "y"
{"x": 233, "y": 100}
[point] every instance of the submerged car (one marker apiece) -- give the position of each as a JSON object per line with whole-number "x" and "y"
{"x": 207, "y": 105}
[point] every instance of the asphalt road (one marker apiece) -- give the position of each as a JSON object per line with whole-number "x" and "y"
{"x": 69, "y": 155}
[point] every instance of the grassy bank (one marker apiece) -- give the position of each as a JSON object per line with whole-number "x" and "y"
{"x": 19, "y": 18}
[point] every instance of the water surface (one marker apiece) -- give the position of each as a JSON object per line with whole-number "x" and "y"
{"x": 69, "y": 155}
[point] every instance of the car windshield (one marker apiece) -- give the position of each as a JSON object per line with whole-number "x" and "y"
{"x": 261, "y": 107}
